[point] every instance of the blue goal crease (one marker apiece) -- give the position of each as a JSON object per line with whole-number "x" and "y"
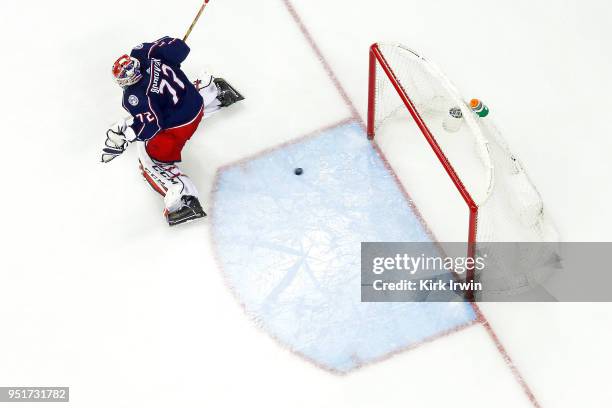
{"x": 293, "y": 258}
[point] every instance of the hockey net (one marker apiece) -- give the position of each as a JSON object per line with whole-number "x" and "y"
{"x": 409, "y": 96}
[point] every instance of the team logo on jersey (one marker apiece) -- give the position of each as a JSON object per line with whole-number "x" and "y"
{"x": 133, "y": 100}
{"x": 139, "y": 47}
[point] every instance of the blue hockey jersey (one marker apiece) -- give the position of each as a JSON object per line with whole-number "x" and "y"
{"x": 164, "y": 98}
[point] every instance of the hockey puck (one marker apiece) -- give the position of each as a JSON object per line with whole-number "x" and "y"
{"x": 298, "y": 171}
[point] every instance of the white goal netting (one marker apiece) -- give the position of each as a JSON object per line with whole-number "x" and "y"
{"x": 509, "y": 207}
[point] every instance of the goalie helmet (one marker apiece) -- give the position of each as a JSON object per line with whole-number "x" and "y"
{"x": 126, "y": 71}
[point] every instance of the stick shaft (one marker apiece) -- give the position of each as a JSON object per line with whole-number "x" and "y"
{"x": 195, "y": 20}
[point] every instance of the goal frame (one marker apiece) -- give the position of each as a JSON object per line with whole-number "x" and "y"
{"x": 376, "y": 57}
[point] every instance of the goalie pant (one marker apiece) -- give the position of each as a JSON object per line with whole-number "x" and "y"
{"x": 159, "y": 156}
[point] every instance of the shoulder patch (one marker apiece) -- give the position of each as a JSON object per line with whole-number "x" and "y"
{"x": 133, "y": 100}
{"x": 139, "y": 47}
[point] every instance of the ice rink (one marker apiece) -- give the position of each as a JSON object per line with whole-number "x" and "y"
{"x": 98, "y": 294}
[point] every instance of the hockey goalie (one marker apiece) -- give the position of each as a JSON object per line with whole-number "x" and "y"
{"x": 165, "y": 110}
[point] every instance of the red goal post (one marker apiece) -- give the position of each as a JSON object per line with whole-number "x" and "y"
{"x": 377, "y": 57}
{"x": 502, "y": 203}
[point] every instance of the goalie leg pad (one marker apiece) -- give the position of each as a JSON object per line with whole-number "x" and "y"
{"x": 207, "y": 88}
{"x": 166, "y": 178}
{"x": 209, "y": 91}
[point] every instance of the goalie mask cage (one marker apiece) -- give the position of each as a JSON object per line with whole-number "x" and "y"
{"x": 499, "y": 200}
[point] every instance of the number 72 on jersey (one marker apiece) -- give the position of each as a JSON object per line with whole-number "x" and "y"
{"x": 165, "y": 81}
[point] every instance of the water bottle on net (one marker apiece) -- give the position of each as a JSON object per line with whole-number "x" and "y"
{"x": 479, "y": 108}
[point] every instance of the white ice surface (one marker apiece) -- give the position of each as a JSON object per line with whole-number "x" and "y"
{"x": 98, "y": 294}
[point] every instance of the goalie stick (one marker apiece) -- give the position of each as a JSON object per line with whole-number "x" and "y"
{"x": 195, "y": 20}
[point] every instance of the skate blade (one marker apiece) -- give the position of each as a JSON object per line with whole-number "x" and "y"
{"x": 185, "y": 220}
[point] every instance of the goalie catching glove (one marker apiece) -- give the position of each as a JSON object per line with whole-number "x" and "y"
{"x": 118, "y": 137}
